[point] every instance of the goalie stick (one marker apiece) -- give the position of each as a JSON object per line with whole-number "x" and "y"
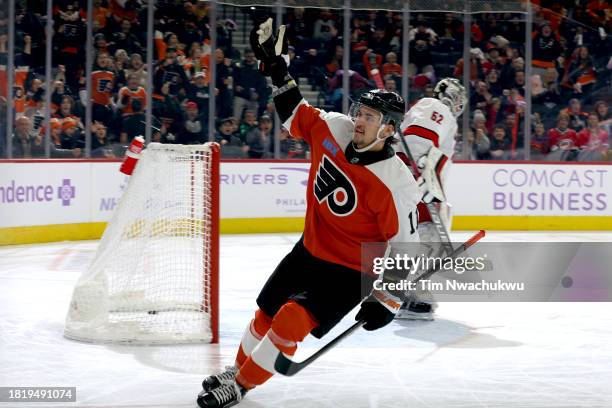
{"x": 285, "y": 366}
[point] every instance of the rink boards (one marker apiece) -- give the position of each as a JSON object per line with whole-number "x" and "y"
{"x": 42, "y": 201}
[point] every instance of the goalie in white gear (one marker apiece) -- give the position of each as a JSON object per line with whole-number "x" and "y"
{"x": 429, "y": 129}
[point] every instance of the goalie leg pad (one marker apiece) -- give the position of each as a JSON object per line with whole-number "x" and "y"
{"x": 433, "y": 171}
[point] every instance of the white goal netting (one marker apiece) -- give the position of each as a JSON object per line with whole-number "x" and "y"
{"x": 154, "y": 276}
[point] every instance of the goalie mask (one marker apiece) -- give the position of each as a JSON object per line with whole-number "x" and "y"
{"x": 451, "y": 93}
{"x": 389, "y": 104}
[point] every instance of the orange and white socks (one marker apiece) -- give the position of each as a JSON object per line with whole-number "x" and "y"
{"x": 266, "y": 337}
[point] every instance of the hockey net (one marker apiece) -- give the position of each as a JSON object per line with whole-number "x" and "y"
{"x": 154, "y": 279}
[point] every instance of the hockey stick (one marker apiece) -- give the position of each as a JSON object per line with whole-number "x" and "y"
{"x": 285, "y": 366}
{"x": 433, "y": 211}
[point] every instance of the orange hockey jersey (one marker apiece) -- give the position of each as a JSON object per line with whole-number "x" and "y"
{"x": 139, "y": 94}
{"x": 350, "y": 204}
{"x": 102, "y": 87}
{"x": 18, "y": 89}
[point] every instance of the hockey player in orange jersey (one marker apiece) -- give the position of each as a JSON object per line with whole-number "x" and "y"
{"x": 358, "y": 191}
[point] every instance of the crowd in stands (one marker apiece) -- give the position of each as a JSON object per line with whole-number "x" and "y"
{"x": 570, "y": 82}
{"x": 180, "y": 93}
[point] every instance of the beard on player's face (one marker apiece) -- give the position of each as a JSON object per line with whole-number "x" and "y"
{"x": 363, "y": 135}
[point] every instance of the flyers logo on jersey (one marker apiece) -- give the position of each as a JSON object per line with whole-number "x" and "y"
{"x": 333, "y": 186}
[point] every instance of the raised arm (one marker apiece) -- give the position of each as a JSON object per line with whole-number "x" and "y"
{"x": 271, "y": 51}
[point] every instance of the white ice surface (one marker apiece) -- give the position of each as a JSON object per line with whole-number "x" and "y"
{"x": 473, "y": 355}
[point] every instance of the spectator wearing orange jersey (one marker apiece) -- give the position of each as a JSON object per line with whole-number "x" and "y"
{"x": 21, "y": 73}
{"x": 67, "y": 110}
{"x": 133, "y": 91}
{"x": 102, "y": 85}
{"x": 197, "y": 62}
{"x": 391, "y": 67}
{"x": 476, "y": 69}
{"x": 101, "y": 15}
{"x": 160, "y": 45}
{"x": 19, "y": 100}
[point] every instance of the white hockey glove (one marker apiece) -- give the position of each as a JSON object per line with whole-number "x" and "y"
{"x": 433, "y": 168}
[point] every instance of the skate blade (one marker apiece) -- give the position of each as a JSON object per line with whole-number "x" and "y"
{"x": 407, "y": 315}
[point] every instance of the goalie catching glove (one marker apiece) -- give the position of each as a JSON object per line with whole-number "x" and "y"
{"x": 433, "y": 170}
{"x": 271, "y": 51}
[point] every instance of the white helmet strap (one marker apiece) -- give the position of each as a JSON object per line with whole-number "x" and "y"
{"x": 374, "y": 143}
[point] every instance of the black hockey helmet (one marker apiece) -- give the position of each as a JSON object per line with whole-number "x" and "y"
{"x": 390, "y": 104}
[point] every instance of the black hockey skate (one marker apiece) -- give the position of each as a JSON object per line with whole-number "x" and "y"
{"x": 214, "y": 381}
{"x": 227, "y": 395}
